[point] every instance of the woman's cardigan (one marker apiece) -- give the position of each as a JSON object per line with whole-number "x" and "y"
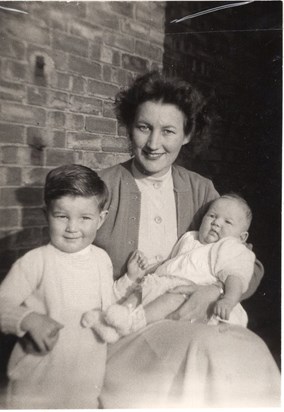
{"x": 119, "y": 233}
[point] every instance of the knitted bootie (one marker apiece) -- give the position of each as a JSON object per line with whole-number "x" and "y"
{"x": 94, "y": 319}
{"x": 125, "y": 319}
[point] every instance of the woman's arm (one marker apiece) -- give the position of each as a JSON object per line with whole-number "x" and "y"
{"x": 255, "y": 280}
{"x": 199, "y": 306}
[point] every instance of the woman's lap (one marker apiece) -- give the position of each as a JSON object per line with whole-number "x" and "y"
{"x": 175, "y": 363}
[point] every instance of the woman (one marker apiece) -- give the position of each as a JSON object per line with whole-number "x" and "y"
{"x": 152, "y": 203}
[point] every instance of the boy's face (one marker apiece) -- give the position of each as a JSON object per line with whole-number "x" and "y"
{"x": 73, "y": 222}
{"x": 225, "y": 217}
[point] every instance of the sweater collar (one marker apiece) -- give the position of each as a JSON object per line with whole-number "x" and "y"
{"x": 178, "y": 180}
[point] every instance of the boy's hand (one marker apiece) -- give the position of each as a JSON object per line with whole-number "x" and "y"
{"x": 223, "y": 308}
{"x": 43, "y": 331}
{"x": 137, "y": 265}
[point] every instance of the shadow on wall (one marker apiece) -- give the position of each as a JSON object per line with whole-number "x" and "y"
{"x": 33, "y": 234}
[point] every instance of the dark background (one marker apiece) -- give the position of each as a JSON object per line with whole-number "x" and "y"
{"x": 235, "y": 56}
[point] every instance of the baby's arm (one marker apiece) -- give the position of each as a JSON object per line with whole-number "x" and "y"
{"x": 137, "y": 265}
{"x": 233, "y": 292}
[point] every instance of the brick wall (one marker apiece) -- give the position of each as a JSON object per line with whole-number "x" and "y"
{"x": 61, "y": 65}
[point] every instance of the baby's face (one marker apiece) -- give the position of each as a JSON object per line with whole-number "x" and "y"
{"x": 73, "y": 222}
{"x": 225, "y": 217}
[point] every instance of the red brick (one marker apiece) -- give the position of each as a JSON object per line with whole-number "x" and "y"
{"x": 74, "y": 121}
{"x": 54, "y": 59}
{"x": 157, "y": 37}
{"x": 99, "y": 160}
{"x": 86, "y": 30}
{"x": 25, "y": 29}
{"x": 88, "y": 105}
{"x": 107, "y": 73}
{"x": 95, "y": 52}
{"x": 108, "y": 110}
{"x": 124, "y": 7}
{"x": 33, "y": 217}
{"x": 85, "y": 67}
{"x": 100, "y": 17}
{"x": 27, "y": 238}
{"x": 70, "y": 44}
{"x": 70, "y": 10}
{"x": 58, "y": 100}
{"x": 37, "y": 96}
{"x": 22, "y": 155}
{"x": 61, "y": 81}
{"x": 22, "y": 114}
{"x": 15, "y": 70}
{"x": 57, "y": 157}
{"x": 56, "y": 119}
{"x": 84, "y": 141}
{"x": 12, "y": 91}
{"x": 13, "y": 48}
{"x": 122, "y": 131}
{"x": 10, "y": 176}
{"x": 100, "y": 125}
{"x": 134, "y": 63}
{"x": 41, "y": 138}
{"x": 110, "y": 56}
{"x": 136, "y": 29}
{"x": 34, "y": 176}
{"x": 78, "y": 84}
{"x": 10, "y": 133}
{"x": 22, "y": 196}
{"x": 9, "y": 217}
{"x": 123, "y": 42}
{"x": 119, "y": 76}
{"x": 116, "y": 145}
{"x": 102, "y": 89}
{"x": 151, "y": 13}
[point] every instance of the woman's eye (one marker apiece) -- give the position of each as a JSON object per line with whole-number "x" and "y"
{"x": 143, "y": 127}
{"x": 61, "y": 217}
{"x": 228, "y": 222}
{"x": 168, "y": 131}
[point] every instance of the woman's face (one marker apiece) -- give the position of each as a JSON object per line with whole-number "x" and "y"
{"x": 157, "y": 136}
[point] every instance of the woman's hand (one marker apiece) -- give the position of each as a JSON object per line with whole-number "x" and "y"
{"x": 199, "y": 305}
{"x": 43, "y": 332}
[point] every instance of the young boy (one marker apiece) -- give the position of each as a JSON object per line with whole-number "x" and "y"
{"x": 47, "y": 291}
{"x": 215, "y": 253}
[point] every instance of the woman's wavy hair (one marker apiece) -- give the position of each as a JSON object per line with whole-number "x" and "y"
{"x": 155, "y": 87}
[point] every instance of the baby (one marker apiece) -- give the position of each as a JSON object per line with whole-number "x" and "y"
{"x": 46, "y": 293}
{"x": 217, "y": 252}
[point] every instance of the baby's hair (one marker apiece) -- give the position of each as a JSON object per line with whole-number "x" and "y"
{"x": 242, "y": 202}
{"x": 74, "y": 180}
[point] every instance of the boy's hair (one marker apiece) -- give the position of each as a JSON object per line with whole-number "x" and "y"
{"x": 74, "y": 180}
{"x": 243, "y": 203}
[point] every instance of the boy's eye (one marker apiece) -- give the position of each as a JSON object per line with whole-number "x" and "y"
{"x": 228, "y": 222}
{"x": 87, "y": 218}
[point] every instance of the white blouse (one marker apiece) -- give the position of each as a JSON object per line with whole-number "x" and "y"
{"x": 158, "y": 220}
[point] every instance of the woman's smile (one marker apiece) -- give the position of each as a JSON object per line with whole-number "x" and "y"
{"x": 157, "y": 136}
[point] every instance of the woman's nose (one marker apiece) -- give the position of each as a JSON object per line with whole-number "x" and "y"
{"x": 154, "y": 140}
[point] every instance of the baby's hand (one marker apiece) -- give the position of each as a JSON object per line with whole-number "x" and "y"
{"x": 223, "y": 308}
{"x": 43, "y": 331}
{"x": 137, "y": 265}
